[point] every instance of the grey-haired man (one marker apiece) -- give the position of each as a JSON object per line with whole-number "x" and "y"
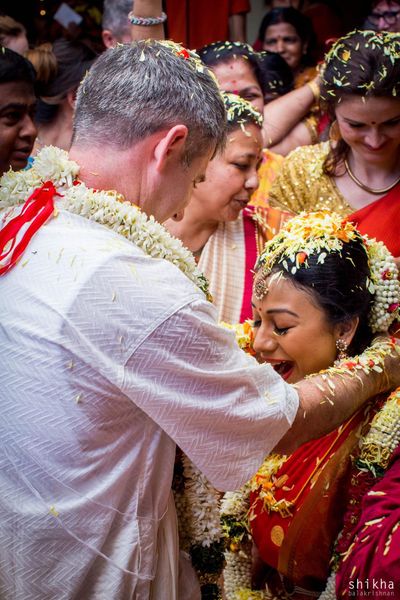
{"x": 112, "y": 355}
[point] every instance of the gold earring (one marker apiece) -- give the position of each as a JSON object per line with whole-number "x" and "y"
{"x": 341, "y": 346}
{"x": 334, "y": 132}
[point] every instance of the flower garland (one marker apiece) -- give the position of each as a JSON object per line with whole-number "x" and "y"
{"x": 200, "y": 533}
{"x": 320, "y": 233}
{"x": 107, "y": 208}
{"x": 376, "y": 449}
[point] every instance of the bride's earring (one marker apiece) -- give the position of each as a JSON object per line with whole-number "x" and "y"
{"x": 341, "y": 346}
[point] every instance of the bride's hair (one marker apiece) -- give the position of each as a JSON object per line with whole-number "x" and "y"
{"x": 336, "y": 282}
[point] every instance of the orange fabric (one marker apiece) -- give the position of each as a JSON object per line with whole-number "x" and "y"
{"x": 304, "y": 76}
{"x": 195, "y": 24}
{"x": 381, "y": 219}
{"x": 268, "y": 170}
{"x": 316, "y": 477}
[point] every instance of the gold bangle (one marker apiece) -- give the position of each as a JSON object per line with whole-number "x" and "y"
{"x": 314, "y": 87}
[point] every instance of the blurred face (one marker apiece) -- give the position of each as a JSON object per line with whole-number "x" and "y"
{"x": 284, "y": 40}
{"x": 18, "y": 43}
{"x": 292, "y": 332}
{"x": 17, "y": 131}
{"x": 237, "y": 77}
{"x": 370, "y": 128}
{"x": 385, "y": 16}
{"x": 231, "y": 177}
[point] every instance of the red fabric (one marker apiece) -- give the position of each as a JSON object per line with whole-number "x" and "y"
{"x": 300, "y": 469}
{"x": 381, "y": 220}
{"x": 250, "y": 232}
{"x": 35, "y": 212}
{"x": 375, "y": 555}
{"x": 326, "y": 25}
{"x": 195, "y": 24}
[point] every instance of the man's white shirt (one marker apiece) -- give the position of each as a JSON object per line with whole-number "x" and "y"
{"x": 108, "y": 359}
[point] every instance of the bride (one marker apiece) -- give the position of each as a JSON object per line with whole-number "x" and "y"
{"x": 321, "y": 291}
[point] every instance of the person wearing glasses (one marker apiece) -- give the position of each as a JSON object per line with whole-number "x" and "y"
{"x": 384, "y": 16}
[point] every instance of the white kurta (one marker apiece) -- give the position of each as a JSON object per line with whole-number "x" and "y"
{"x": 108, "y": 359}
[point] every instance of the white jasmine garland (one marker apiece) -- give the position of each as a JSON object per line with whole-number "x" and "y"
{"x": 107, "y": 208}
{"x": 329, "y": 592}
{"x": 202, "y": 506}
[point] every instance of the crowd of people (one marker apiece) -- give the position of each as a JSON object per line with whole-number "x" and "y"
{"x": 200, "y": 306}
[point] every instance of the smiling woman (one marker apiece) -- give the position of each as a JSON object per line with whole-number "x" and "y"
{"x": 357, "y": 172}
{"x": 289, "y": 32}
{"x": 218, "y": 226}
{"x": 321, "y": 290}
{"x": 17, "y": 104}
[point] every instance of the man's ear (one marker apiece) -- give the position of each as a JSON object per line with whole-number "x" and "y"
{"x": 170, "y": 147}
{"x": 346, "y": 330}
{"x": 108, "y": 39}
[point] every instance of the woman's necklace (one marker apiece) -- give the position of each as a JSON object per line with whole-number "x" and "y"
{"x": 366, "y": 187}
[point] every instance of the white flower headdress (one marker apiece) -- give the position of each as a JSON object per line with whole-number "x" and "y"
{"x": 321, "y": 233}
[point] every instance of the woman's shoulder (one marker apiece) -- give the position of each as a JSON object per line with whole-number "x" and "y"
{"x": 314, "y": 152}
{"x": 305, "y": 163}
{"x": 301, "y": 183}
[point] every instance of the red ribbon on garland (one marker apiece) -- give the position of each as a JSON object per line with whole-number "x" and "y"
{"x": 36, "y": 210}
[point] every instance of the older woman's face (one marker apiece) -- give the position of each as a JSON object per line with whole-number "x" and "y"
{"x": 283, "y": 39}
{"x": 371, "y": 127}
{"x": 237, "y": 77}
{"x": 291, "y": 332}
{"x": 231, "y": 177}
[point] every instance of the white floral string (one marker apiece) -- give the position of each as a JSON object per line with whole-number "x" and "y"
{"x": 107, "y": 208}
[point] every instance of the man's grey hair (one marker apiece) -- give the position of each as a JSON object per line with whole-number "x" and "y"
{"x": 135, "y": 90}
{"x": 115, "y": 17}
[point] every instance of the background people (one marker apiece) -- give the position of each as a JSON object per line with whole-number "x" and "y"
{"x": 116, "y": 28}
{"x": 356, "y": 173}
{"x": 17, "y": 107}
{"x": 13, "y": 35}
{"x": 289, "y": 33}
{"x": 384, "y": 15}
{"x": 123, "y": 343}
{"x": 60, "y": 67}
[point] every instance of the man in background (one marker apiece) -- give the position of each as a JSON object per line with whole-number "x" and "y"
{"x": 116, "y": 26}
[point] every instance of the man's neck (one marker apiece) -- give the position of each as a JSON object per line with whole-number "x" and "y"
{"x": 108, "y": 168}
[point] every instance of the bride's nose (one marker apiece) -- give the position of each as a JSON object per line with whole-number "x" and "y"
{"x": 264, "y": 340}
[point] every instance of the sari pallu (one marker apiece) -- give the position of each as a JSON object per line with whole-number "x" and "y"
{"x": 381, "y": 220}
{"x": 315, "y": 479}
{"x": 372, "y": 565}
{"x": 229, "y": 256}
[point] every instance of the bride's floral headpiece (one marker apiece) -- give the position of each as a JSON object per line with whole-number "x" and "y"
{"x": 321, "y": 233}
